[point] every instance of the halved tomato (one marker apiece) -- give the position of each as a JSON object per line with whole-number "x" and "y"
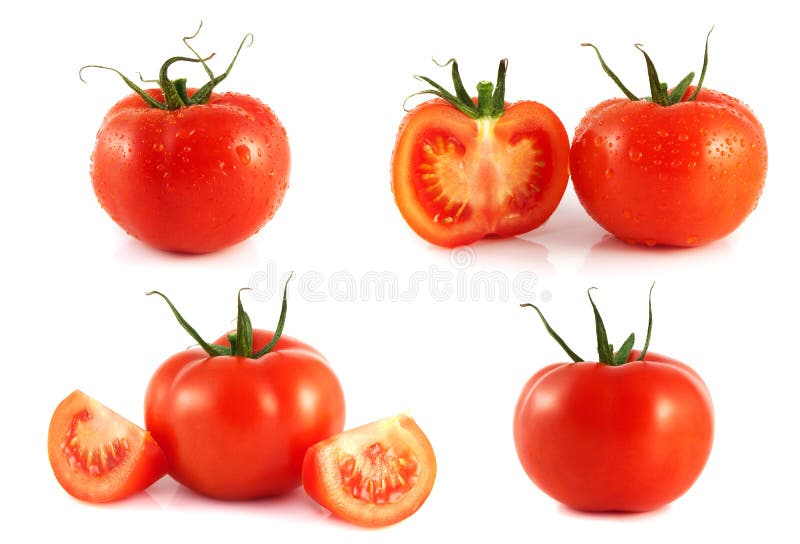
{"x": 373, "y": 475}
{"x": 99, "y": 456}
{"x": 466, "y": 168}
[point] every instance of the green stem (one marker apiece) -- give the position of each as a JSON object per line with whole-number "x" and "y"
{"x": 175, "y": 93}
{"x": 491, "y": 97}
{"x": 241, "y": 341}
{"x": 658, "y": 90}
{"x": 605, "y": 351}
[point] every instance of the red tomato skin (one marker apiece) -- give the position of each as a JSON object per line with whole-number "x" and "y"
{"x": 483, "y": 141}
{"x": 144, "y": 465}
{"x": 234, "y": 428}
{"x": 629, "y": 438}
{"x": 683, "y": 175}
{"x": 192, "y": 180}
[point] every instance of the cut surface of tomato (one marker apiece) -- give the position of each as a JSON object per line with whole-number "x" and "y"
{"x": 458, "y": 179}
{"x": 99, "y": 456}
{"x": 373, "y": 475}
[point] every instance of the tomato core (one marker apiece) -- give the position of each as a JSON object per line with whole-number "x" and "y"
{"x": 86, "y": 450}
{"x": 380, "y": 475}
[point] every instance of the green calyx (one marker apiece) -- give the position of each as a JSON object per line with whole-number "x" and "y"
{"x": 659, "y": 91}
{"x": 605, "y": 350}
{"x": 491, "y": 97}
{"x": 241, "y": 341}
{"x": 175, "y": 93}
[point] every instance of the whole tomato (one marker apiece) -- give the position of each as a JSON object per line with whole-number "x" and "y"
{"x": 236, "y": 417}
{"x": 464, "y": 168}
{"x": 190, "y": 170}
{"x": 631, "y": 432}
{"x": 681, "y": 168}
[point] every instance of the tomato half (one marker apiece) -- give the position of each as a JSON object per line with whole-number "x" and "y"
{"x": 458, "y": 177}
{"x": 99, "y": 456}
{"x": 373, "y": 475}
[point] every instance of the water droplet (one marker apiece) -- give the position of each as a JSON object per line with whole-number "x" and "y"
{"x": 676, "y": 163}
{"x": 158, "y": 146}
{"x": 683, "y": 137}
{"x": 691, "y": 164}
{"x": 692, "y": 240}
{"x": 634, "y": 154}
{"x": 187, "y": 149}
{"x": 657, "y": 147}
{"x": 627, "y": 213}
{"x": 662, "y": 133}
{"x": 609, "y": 173}
{"x": 598, "y": 141}
{"x": 222, "y": 167}
{"x": 244, "y": 154}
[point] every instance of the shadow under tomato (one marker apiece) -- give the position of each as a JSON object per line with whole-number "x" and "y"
{"x": 612, "y": 256}
{"x": 613, "y": 515}
{"x": 133, "y": 251}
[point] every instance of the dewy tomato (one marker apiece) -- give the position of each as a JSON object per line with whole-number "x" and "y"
{"x": 464, "y": 169}
{"x": 190, "y": 170}
{"x": 236, "y": 417}
{"x": 631, "y": 432}
{"x": 682, "y": 168}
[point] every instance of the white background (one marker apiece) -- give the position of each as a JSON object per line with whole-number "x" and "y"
{"x": 75, "y": 315}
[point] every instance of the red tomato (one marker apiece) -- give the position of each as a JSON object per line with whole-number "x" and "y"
{"x": 464, "y": 169}
{"x": 683, "y": 173}
{"x": 193, "y": 177}
{"x": 234, "y": 420}
{"x": 625, "y": 434}
{"x": 374, "y": 475}
{"x": 99, "y": 456}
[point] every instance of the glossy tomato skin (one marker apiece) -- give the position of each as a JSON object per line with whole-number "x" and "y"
{"x": 192, "y": 180}
{"x": 682, "y": 175}
{"x": 629, "y": 438}
{"x": 374, "y": 475}
{"x": 236, "y": 428}
{"x": 491, "y": 177}
{"x": 99, "y": 456}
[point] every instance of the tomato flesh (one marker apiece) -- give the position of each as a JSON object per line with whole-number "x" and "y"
{"x": 374, "y": 475}
{"x": 379, "y": 474}
{"x": 98, "y": 455}
{"x": 457, "y": 179}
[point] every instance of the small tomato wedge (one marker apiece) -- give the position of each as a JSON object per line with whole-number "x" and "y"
{"x": 99, "y": 456}
{"x": 464, "y": 168}
{"x": 373, "y": 475}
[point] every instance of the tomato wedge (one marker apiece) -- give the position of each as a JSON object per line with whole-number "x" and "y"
{"x": 464, "y": 168}
{"x": 373, "y": 475}
{"x": 99, "y": 456}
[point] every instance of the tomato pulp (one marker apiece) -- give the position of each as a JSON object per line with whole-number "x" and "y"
{"x": 99, "y": 456}
{"x": 373, "y": 475}
{"x": 462, "y": 170}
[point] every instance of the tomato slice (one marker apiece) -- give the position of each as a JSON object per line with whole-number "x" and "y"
{"x": 99, "y": 456}
{"x": 373, "y": 475}
{"x": 457, "y": 179}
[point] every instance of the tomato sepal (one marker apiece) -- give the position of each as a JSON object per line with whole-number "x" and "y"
{"x": 175, "y": 92}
